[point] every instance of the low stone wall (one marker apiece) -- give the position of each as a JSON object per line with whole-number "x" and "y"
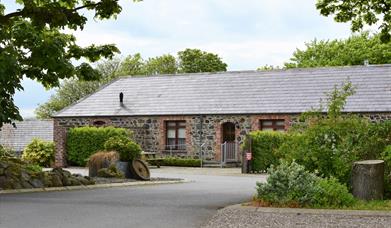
{"x": 14, "y": 174}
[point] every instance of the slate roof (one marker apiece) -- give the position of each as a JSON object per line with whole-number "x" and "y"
{"x": 241, "y": 92}
{"x": 18, "y": 138}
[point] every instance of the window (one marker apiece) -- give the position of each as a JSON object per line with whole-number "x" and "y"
{"x": 176, "y": 135}
{"x": 272, "y": 125}
{"x": 99, "y": 123}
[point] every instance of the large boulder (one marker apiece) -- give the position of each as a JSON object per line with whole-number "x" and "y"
{"x": 14, "y": 174}
{"x": 36, "y": 183}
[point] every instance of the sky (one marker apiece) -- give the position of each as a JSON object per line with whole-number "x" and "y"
{"x": 245, "y": 34}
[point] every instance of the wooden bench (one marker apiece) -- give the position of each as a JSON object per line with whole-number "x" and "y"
{"x": 150, "y": 157}
{"x": 155, "y": 162}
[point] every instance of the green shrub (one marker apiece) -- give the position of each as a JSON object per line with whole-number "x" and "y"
{"x": 264, "y": 145}
{"x": 331, "y": 142}
{"x": 84, "y": 141}
{"x": 175, "y": 161}
{"x": 291, "y": 184}
{"x": 375, "y": 140}
{"x": 33, "y": 168}
{"x": 386, "y": 156}
{"x": 330, "y": 193}
{"x": 39, "y": 152}
{"x": 287, "y": 183}
{"x": 127, "y": 149}
{"x": 6, "y": 152}
{"x": 110, "y": 172}
{"x": 331, "y": 146}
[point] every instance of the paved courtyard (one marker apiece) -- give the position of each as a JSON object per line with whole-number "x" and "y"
{"x": 194, "y": 204}
{"x": 173, "y": 205}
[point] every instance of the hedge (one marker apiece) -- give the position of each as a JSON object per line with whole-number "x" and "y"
{"x": 264, "y": 146}
{"x": 173, "y": 161}
{"x": 82, "y": 142}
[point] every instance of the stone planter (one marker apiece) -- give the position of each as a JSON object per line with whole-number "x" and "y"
{"x": 124, "y": 167}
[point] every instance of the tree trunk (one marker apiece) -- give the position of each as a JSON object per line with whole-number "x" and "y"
{"x": 368, "y": 179}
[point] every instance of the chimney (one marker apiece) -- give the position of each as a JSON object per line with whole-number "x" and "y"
{"x": 121, "y": 98}
{"x": 366, "y": 62}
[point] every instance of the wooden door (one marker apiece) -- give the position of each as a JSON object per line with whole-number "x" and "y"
{"x": 228, "y": 132}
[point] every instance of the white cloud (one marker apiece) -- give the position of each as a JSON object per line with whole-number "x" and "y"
{"x": 250, "y": 54}
{"x": 240, "y": 55}
{"x": 246, "y": 34}
{"x": 27, "y": 112}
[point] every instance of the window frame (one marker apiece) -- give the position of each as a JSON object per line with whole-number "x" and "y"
{"x": 176, "y": 128}
{"x": 274, "y": 126}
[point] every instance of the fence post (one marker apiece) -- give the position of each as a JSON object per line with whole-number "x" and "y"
{"x": 223, "y": 153}
{"x": 246, "y": 164}
{"x": 249, "y": 163}
{"x": 201, "y": 155}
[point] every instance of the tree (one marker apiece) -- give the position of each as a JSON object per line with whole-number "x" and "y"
{"x": 109, "y": 68}
{"x": 32, "y": 45}
{"x": 72, "y": 90}
{"x": 136, "y": 65}
{"x": 352, "y": 51}
{"x": 196, "y": 61}
{"x": 132, "y": 65}
{"x": 165, "y": 64}
{"x": 188, "y": 61}
{"x": 69, "y": 92}
{"x": 268, "y": 68}
{"x": 359, "y": 13}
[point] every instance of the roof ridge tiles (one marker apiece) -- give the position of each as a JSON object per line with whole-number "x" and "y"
{"x": 299, "y": 69}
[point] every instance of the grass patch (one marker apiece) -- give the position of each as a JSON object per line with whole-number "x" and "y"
{"x": 374, "y": 205}
{"x": 384, "y": 205}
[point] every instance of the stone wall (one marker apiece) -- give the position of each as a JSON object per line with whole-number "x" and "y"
{"x": 203, "y": 132}
{"x": 377, "y": 117}
{"x": 373, "y": 117}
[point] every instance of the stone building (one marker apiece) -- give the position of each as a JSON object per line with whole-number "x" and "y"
{"x": 19, "y": 136}
{"x": 208, "y": 114}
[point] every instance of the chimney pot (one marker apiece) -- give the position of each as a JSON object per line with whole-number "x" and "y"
{"x": 121, "y": 97}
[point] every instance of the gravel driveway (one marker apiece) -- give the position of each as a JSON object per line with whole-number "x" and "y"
{"x": 249, "y": 217}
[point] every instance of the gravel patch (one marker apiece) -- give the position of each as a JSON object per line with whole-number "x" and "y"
{"x": 238, "y": 216}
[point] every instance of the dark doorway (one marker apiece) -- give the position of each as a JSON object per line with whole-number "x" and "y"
{"x": 228, "y": 132}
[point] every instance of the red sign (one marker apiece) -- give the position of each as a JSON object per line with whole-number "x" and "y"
{"x": 248, "y": 156}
